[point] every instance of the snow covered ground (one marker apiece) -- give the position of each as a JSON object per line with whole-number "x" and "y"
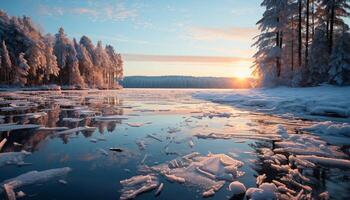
{"x": 330, "y": 105}
{"x": 322, "y": 101}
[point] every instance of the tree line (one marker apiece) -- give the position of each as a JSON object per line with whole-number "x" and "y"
{"x": 29, "y": 58}
{"x": 303, "y": 43}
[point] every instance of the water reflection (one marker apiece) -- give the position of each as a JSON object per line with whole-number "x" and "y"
{"x": 52, "y": 109}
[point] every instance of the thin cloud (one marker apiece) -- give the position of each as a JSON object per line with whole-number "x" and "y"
{"x": 241, "y": 34}
{"x": 183, "y": 59}
{"x": 112, "y": 12}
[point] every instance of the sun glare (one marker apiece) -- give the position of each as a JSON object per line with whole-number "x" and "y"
{"x": 244, "y": 70}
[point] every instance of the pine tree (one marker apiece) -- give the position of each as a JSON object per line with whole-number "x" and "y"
{"x": 340, "y": 61}
{"x": 74, "y": 77}
{"x": 270, "y": 41}
{"x": 21, "y": 71}
{"x": 6, "y": 63}
{"x": 319, "y": 57}
{"x": 51, "y": 68}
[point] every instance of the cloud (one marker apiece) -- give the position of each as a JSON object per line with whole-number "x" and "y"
{"x": 114, "y": 12}
{"x": 241, "y": 34}
{"x": 183, "y": 59}
{"x": 50, "y": 11}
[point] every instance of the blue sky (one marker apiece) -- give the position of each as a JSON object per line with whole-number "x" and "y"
{"x": 157, "y": 37}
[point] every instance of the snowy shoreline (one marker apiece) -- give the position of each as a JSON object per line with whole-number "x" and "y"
{"x": 322, "y": 101}
{"x": 329, "y": 105}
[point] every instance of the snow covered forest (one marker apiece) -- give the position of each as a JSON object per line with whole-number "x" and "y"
{"x": 303, "y": 43}
{"x": 30, "y": 58}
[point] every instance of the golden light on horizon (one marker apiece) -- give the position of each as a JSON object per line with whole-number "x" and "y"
{"x": 244, "y": 70}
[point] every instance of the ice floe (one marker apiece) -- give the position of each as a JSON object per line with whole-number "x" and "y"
{"x": 12, "y": 127}
{"x": 137, "y": 185}
{"x": 36, "y": 177}
{"x": 207, "y": 172}
{"x": 13, "y": 158}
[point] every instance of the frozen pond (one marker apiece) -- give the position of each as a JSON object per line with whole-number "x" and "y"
{"x": 105, "y": 137}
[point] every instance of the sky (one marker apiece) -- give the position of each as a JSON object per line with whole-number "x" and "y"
{"x": 157, "y": 37}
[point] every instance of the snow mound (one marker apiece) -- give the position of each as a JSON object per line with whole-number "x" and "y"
{"x": 237, "y": 187}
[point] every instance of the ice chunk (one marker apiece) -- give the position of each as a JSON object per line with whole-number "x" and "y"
{"x": 2, "y": 143}
{"x": 173, "y": 178}
{"x": 208, "y": 193}
{"x": 36, "y": 177}
{"x": 137, "y": 185}
{"x": 260, "y": 179}
{"x": 12, "y": 127}
{"x": 72, "y": 119}
{"x": 111, "y": 118}
{"x": 334, "y": 162}
{"x": 53, "y": 128}
{"x": 20, "y": 194}
{"x": 12, "y": 158}
{"x": 237, "y": 187}
{"x": 63, "y": 182}
{"x": 206, "y": 172}
{"x": 77, "y": 129}
{"x": 134, "y": 124}
{"x": 9, "y": 192}
{"x": 324, "y": 196}
{"x": 265, "y": 191}
{"x": 159, "y": 190}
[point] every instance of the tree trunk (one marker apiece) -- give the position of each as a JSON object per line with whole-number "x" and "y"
{"x": 292, "y": 48}
{"x": 299, "y": 35}
{"x": 331, "y": 28}
{"x": 307, "y": 33}
{"x": 313, "y": 18}
{"x": 278, "y": 62}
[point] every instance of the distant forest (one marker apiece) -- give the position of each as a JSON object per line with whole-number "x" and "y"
{"x": 183, "y": 82}
{"x": 303, "y": 43}
{"x": 29, "y": 58}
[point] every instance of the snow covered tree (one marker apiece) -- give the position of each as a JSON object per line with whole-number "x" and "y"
{"x": 21, "y": 71}
{"x": 270, "y": 41}
{"x": 51, "y": 68}
{"x": 74, "y": 77}
{"x": 335, "y": 11}
{"x": 319, "y": 58}
{"x": 47, "y": 59}
{"x": 6, "y": 64}
{"x": 340, "y": 61}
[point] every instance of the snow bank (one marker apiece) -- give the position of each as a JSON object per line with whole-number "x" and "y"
{"x": 330, "y": 128}
{"x": 330, "y": 101}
